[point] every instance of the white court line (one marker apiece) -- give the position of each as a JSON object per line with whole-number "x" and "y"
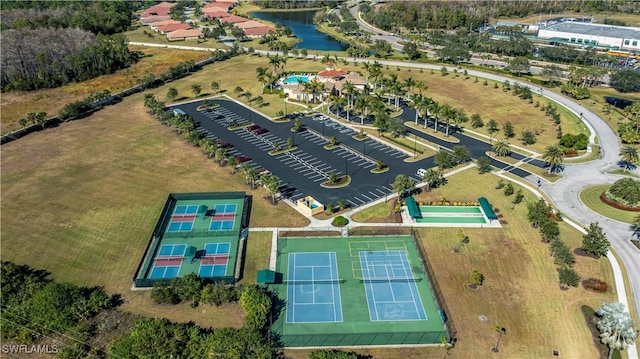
{"x": 366, "y": 260}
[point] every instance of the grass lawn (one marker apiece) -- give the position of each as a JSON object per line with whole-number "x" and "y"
{"x": 378, "y": 213}
{"x": 239, "y": 71}
{"x": 511, "y": 295}
{"x": 15, "y": 105}
{"x": 258, "y": 252}
{"x": 590, "y": 196}
{"x": 95, "y": 188}
{"x": 493, "y": 103}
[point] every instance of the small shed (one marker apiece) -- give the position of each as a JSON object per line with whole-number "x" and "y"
{"x": 412, "y": 207}
{"x": 265, "y": 277}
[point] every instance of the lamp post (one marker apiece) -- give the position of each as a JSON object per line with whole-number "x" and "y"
{"x": 501, "y": 331}
{"x": 386, "y": 189}
{"x": 286, "y": 95}
{"x": 415, "y": 144}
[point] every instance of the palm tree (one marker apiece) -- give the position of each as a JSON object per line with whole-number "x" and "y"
{"x": 244, "y": 170}
{"x": 409, "y": 82}
{"x": 196, "y": 89}
{"x": 238, "y": 90}
{"x": 434, "y": 110}
{"x": 375, "y": 72}
{"x": 635, "y": 226}
{"x": 349, "y": 89}
{"x": 253, "y": 175}
{"x": 554, "y": 156}
{"x": 262, "y": 74}
{"x": 232, "y": 162}
{"x": 449, "y": 113}
{"x": 220, "y": 155}
{"x": 615, "y": 326}
{"x": 629, "y": 155}
{"x": 270, "y": 183}
{"x": 274, "y": 60}
{"x": 333, "y": 177}
{"x": 501, "y": 148}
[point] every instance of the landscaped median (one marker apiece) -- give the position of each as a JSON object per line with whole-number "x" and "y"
{"x": 429, "y": 131}
{"x": 282, "y": 150}
{"x": 336, "y": 182}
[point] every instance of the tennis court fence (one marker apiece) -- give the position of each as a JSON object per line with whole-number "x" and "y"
{"x": 435, "y": 288}
{"x": 353, "y": 339}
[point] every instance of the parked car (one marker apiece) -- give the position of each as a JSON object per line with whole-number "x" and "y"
{"x": 243, "y": 159}
{"x": 260, "y": 131}
{"x": 253, "y": 128}
{"x": 224, "y": 144}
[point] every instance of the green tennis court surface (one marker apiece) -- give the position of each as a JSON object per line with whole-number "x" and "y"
{"x": 196, "y": 233}
{"x": 354, "y": 291}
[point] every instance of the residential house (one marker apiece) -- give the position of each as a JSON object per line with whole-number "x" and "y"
{"x": 183, "y": 34}
{"x": 256, "y": 32}
{"x": 165, "y": 29}
{"x": 161, "y": 9}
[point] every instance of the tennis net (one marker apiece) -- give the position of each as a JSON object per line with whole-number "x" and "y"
{"x": 391, "y": 279}
{"x": 324, "y": 281}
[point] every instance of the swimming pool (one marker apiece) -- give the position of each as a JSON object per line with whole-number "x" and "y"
{"x": 294, "y": 79}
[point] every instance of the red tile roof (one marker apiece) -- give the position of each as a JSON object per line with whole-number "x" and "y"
{"x": 257, "y": 31}
{"x": 181, "y": 34}
{"x": 233, "y": 19}
{"x": 214, "y": 8}
{"x": 161, "y": 9}
{"x": 163, "y": 22}
{"x": 333, "y": 73}
{"x": 154, "y": 18}
{"x": 172, "y": 27}
{"x": 216, "y": 14}
{"x": 250, "y": 24}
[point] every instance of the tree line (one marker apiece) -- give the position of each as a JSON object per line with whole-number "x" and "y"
{"x": 106, "y": 17}
{"x": 79, "y": 322}
{"x": 449, "y": 15}
{"x": 46, "y": 58}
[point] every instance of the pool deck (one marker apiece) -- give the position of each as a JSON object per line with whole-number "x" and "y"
{"x": 407, "y": 220}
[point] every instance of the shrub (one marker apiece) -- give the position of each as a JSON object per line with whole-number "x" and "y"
{"x": 625, "y": 191}
{"x": 256, "y": 303}
{"x": 595, "y": 285}
{"x": 340, "y": 221}
{"x": 477, "y": 278}
{"x": 508, "y": 190}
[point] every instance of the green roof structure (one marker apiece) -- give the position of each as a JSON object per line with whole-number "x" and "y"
{"x": 266, "y": 276}
{"x": 486, "y": 207}
{"x": 412, "y": 206}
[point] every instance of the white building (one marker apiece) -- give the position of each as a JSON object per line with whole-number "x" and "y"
{"x": 587, "y": 34}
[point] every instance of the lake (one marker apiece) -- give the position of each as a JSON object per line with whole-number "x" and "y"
{"x": 301, "y": 24}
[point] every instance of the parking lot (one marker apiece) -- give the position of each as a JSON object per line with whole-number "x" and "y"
{"x": 302, "y": 170}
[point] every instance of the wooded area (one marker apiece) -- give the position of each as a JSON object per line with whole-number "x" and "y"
{"x": 471, "y": 14}
{"x": 48, "y": 44}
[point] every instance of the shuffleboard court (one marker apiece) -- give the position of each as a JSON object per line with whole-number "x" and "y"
{"x": 452, "y": 215}
{"x": 313, "y": 291}
{"x": 392, "y": 292}
{"x": 449, "y": 209}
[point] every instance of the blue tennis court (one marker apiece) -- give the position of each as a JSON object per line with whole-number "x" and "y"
{"x": 392, "y": 292}
{"x": 172, "y": 249}
{"x": 215, "y": 260}
{"x": 168, "y": 262}
{"x": 186, "y": 209}
{"x": 225, "y": 208}
{"x": 180, "y": 226}
{"x": 313, "y": 290}
{"x": 223, "y": 218}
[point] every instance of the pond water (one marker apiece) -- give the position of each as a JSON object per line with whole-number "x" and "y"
{"x": 301, "y": 24}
